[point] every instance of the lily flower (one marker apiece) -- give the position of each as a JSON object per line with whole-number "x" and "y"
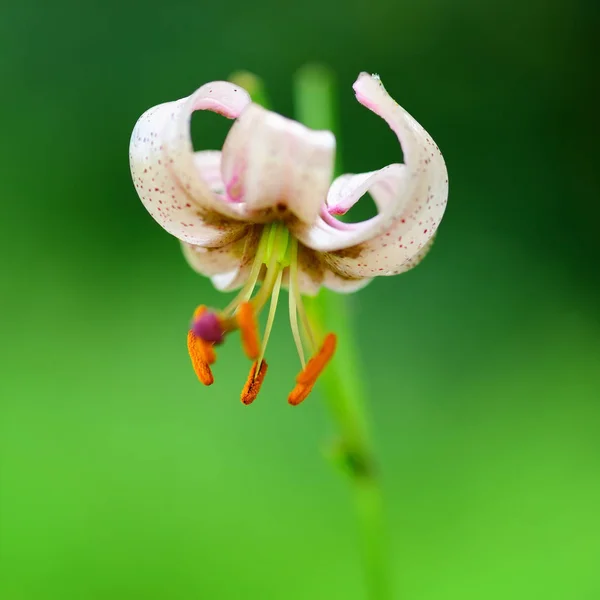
{"x": 261, "y": 215}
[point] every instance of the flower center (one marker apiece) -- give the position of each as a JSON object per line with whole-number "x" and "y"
{"x": 276, "y": 257}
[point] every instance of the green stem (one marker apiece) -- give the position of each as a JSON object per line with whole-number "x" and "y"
{"x": 341, "y": 381}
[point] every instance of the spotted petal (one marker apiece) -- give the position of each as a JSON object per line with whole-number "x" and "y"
{"x": 229, "y": 266}
{"x": 273, "y": 165}
{"x": 215, "y": 261}
{"x": 168, "y": 175}
{"x": 411, "y": 199}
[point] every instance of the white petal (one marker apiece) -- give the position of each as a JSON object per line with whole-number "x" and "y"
{"x": 348, "y": 189}
{"x": 389, "y": 254}
{"x": 273, "y": 165}
{"x": 214, "y": 261}
{"x": 232, "y": 280}
{"x": 208, "y": 163}
{"x": 344, "y": 285}
{"x": 218, "y": 96}
{"x": 177, "y": 211}
{"x": 310, "y": 272}
{"x": 411, "y": 198}
{"x": 314, "y": 273}
{"x": 229, "y": 266}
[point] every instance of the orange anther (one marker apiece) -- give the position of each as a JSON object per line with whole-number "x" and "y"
{"x": 208, "y": 350}
{"x": 318, "y": 362}
{"x": 246, "y": 320}
{"x": 201, "y": 358}
{"x": 314, "y": 367}
{"x": 299, "y": 393}
{"x": 254, "y": 382}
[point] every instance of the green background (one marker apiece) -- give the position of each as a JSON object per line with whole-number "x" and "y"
{"x": 121, "y": 477}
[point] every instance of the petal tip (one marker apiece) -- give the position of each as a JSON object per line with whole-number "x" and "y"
{"x": 365, "y": 79}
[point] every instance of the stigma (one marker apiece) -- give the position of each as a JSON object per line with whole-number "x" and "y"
{"x": 276, "y": 259}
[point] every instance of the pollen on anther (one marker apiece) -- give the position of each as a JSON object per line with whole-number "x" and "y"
{"x": 201, "y": 358}
{"x": 306, "y": 379}
{"x": 317, "y": 363}
{"x": 299, "y": 394}
{"x": 254, "y": 382}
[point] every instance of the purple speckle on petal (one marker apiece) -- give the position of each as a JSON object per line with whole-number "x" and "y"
{"x": 208, "y": 328}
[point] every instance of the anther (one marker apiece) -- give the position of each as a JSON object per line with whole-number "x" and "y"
{"x": 314, "y": 367}
{"x": 254, "y": 382}
{"x": 202, "y": 356}
{"x": 299, "y": 393}
{"x": 246, "y": 320}
{"x": 317, "y": 363}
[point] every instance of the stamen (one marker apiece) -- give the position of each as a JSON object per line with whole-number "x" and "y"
{"x": 246, "y": 320}
{"x": 246, "y": 292}
{"x": 299, "y": 394}
{"x": 304, "y": 319}
{"x": 271, "y": 317}
{"x": 308, "y": 376}
{"x": 201, "y": 352}
{"x": 254, "y": 382}
{"x": 317, "y": 363}
{"x": 201, "y": 358}
{"x": 277, "y": 251}
{"x": 266, "y": 288}
{"x": 204, "y": 347}
{"x": 293, "y": 284}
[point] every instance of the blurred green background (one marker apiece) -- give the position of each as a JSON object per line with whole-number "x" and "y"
{"x": 121, "y": 477}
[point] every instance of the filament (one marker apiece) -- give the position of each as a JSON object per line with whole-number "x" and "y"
{"x": 271, "y": 317}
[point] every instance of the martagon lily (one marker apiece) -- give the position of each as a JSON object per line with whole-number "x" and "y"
{"x": 261, "y": 214}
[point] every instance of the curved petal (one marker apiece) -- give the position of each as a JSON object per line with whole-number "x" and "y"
{"x": 344, "y": 285}
{"x": 176, "y": 210}
{"x": 231, "y": 280}
{"x": 221, "y": 97}
{"x": 314, "y": 273}
{"x": 273, "y": 165}
{"x": 411, "y": 198}
{"x": 348, "y": 189}
{"x": 389, "y": 254}
{"x": 208, "y": 163}
{"x": 214, "y": 261}
{"x": 310, "y": 272}
{"x": 229, "y": 266}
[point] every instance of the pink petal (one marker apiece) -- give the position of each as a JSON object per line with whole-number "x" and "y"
{"x": 273, "y": 165}
{"x": 411, "y": 199}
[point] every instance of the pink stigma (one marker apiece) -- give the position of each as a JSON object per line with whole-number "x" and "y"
{"x": 208, "y": 327}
